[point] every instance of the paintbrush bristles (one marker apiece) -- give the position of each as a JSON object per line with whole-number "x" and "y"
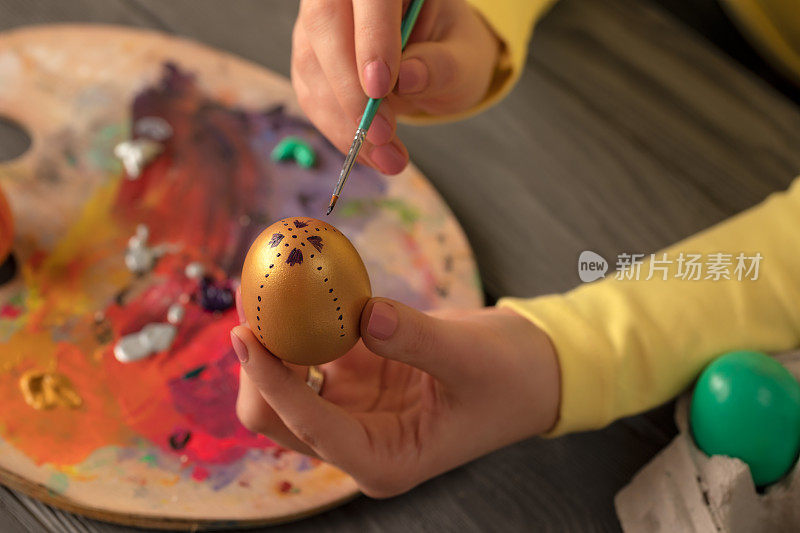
{"x": 334, "y": 198}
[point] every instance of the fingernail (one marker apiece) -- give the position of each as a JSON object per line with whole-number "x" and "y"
{"x": 382, "y": 321}
{"x": 413, "y": 77}
{"x": 240, "y": 348}
{"x": 388, "y": 158}
{"x": 239, "y": 308}
{"x": 380, "y": 132}
{"x": 376, "y": 78}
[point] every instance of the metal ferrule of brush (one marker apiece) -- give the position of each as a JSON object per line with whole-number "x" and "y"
{"x": 350, "y": 160}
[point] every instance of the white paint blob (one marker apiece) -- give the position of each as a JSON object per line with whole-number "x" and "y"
{"x": 151, "y": 339}
{"x": 137, "y": 154}
{"x": 194, "y": 270}
{"x": 175, "y": 314}
{"x": 140, "y": 258}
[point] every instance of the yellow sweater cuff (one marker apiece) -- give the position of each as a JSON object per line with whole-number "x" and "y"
{"x": 628, "y": 345}
{"x": 582, "y": 375}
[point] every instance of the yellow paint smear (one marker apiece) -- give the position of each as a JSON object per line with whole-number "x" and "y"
{"x": 61, "y": 287}
{"x": 47, "y": 390}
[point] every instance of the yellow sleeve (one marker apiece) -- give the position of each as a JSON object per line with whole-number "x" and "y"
{"x": 512, "y": 21}
{"x": 625, "y": 346}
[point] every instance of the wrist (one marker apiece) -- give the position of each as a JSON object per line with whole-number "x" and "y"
{"x": 537, "y": 363}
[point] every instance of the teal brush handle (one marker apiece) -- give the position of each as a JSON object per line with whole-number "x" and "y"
{"x": 369, "y": 113}
{"x": 409, "y": 19}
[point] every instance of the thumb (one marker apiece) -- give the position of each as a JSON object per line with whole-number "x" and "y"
{"x": 432, "y": 344}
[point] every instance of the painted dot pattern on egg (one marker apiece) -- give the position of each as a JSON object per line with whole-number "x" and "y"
{"x": 296, "y": 258}
{"x": 313, "y": 287}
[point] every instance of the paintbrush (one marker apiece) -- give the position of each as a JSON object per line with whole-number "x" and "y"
{"x": 409, "y": 19}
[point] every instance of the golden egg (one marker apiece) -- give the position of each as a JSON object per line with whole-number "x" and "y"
{"x": 303, "y": 289}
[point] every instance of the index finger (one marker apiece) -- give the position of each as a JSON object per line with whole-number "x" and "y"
{"x": 324, "y": 427}
{"x": 377, "y": 42}
{"x": 329, "y": 28}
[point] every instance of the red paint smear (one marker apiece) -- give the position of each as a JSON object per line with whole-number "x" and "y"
{"x": 199, "y": 473}
{"x": 146, "y": 398}
{"x": 193, "y": 194}
{"x": 192, "y": 197}
{"x": 205, "y": 180}
{"x": 10, "y": 311}
{"x": 284, "y": 487}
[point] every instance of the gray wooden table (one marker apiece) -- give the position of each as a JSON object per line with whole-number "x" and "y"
{"x": 627, "y": 132}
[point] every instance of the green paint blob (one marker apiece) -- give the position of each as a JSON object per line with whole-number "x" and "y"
{"x": 194, "y": 372}
{"x": 149, "y": 459}
{"x": 58, "y": 483}
{"x": 296, "y": 149}
{"x": 100, "y": 153}
{"x": 305, "y": 156}
{"x": 747, "y": 405}
{"x": 407, "y": 213}
{"x": 284, "y": 150}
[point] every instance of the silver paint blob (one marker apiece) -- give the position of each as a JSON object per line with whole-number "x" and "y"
{"x": 194, "y": 270}
{"x": 155, "y": 128}
{"x": 137, "y": 154}
{"x": 175, "y": 314}
{"x": 151, "y": 339}
{"x": 140, "y": 258}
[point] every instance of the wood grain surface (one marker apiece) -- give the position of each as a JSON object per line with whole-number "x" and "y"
{"x": 626, "y": 133}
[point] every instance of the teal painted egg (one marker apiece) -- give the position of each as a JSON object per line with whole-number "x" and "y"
{"x": 747, "y": 405}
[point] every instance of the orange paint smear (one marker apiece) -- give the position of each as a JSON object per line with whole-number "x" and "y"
{"x": 66, "y": 286}
{"x": 63, "y": 436}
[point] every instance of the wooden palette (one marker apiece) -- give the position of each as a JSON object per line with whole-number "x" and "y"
{"x": 156, "y": 442}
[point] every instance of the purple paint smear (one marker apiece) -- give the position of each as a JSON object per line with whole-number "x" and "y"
{"x": 235, "y": 144}
{"x": 316, "y": 242}
{"x": 275, "y": 240}
{"x": 209, "y": 400}
{"x": 295, "y": 257}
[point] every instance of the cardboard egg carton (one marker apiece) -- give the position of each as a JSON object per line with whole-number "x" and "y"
{"x": 682, "y": 489}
